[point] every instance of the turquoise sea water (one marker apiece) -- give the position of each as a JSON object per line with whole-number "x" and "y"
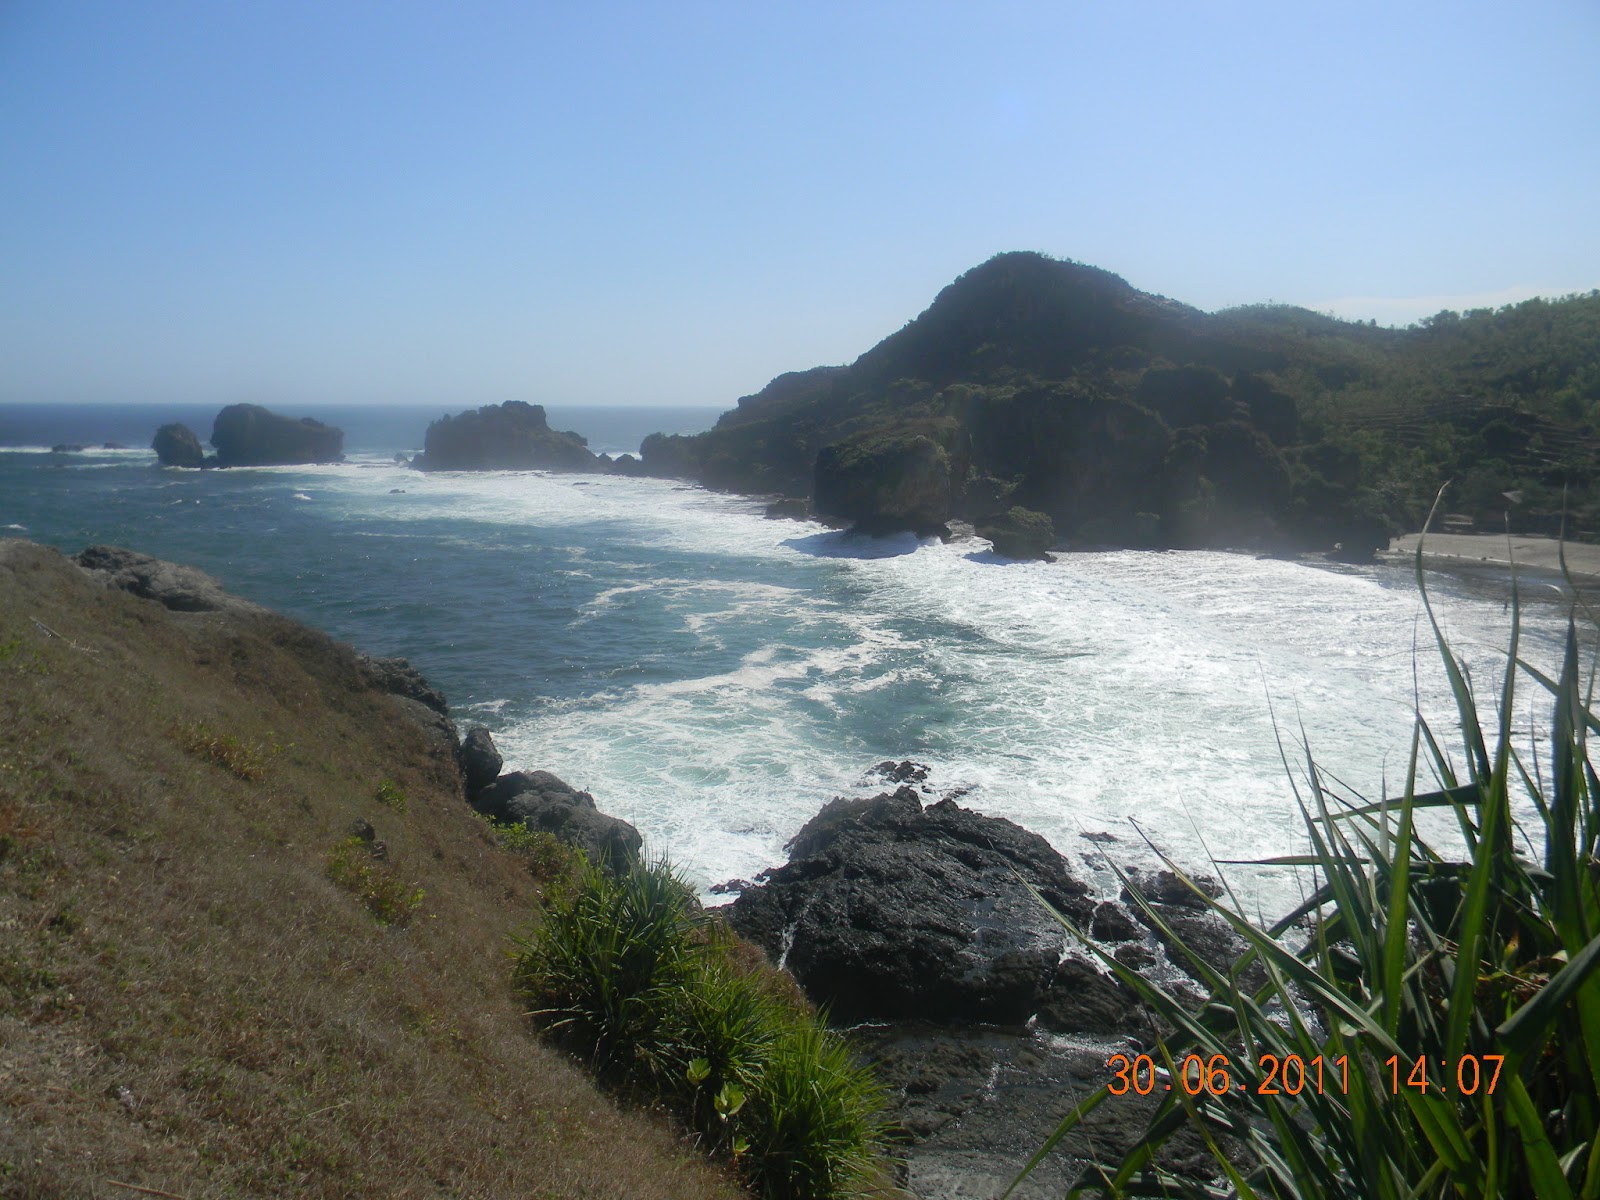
{"x": 715, "y": 677}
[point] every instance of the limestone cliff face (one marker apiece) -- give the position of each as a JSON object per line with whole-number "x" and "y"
{"x": 514, "y": 436}
{"x": 247, "y": 435}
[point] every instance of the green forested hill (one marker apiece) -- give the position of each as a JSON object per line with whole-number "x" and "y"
{"x": 1133, "y": 419}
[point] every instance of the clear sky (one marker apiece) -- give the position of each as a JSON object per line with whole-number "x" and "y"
{"x": 668, "y": 203}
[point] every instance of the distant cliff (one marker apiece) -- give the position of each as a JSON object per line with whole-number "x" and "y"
{"x": 1127, "y": 418}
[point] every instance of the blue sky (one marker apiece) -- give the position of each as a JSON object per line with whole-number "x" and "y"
{"x": 670, "y": 203}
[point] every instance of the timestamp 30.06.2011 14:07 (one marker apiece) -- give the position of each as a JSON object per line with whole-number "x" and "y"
{"x": 1290, "y": 1075}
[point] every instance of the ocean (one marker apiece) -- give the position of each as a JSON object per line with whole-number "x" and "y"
{"x": 715, "y": 677}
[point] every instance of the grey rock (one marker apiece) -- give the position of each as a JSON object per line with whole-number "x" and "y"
{"x": 443, "y": 739}
{"x": 1112, "y": 924}
{"x": 543, "y": 801}
{"x": 480, "y": 760}
{"x": 514, "y": 436}
{"x": 889, "y": 910}
{"x": 398, "y": 676}
{"x": 182, "y": 589}
{"x": 1082, "y": 1000}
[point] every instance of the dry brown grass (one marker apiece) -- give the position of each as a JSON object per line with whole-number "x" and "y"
{"x": 188, "y": 1003}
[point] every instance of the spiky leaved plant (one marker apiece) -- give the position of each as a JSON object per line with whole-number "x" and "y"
{"x": 1446, "y": 998}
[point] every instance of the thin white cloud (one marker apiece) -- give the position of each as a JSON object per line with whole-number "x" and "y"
{"x": 1404, "y": 310}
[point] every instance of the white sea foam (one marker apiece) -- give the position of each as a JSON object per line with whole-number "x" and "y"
{"x": 1083, "y": 695}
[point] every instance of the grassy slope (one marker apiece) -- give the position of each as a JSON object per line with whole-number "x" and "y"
{"x": 187, "y": 1003}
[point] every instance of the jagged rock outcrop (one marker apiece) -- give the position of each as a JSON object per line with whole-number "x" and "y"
{"x": 177, "y": 446}
{"x": 1019, "y": 533}
{"x": 400, "y": 678}
{"x": 480, "y": 759}
{"x": 247, "y": 435}
{"x": 887, "y": 909}
{"x": 180, "y": 588}
{"x": 541, "y": 801}
{"x": 514, "y": 436}
{"x": 885, "y": 483}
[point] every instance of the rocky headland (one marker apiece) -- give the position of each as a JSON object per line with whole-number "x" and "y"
{"x": 1051, "y": 403}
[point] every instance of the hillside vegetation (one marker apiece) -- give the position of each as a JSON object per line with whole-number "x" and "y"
{"x": 1132, "y": 419}
{"x": 252, "y": 940}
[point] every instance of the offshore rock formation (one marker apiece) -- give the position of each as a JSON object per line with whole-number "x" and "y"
{"x": 514, "y": 436}
{"x": 177, "y": 446}
{"x": 247, "y": 435}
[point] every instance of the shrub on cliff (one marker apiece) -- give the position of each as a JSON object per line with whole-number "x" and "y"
{"x": 629, "y": 970}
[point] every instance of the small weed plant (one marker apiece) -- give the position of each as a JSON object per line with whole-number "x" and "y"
{"x": 628, "y": 970}
{"x": 351, "y": 866}
{"x": 389, "y": 795}
{"x": 1438, "y": 1033}
{"x": 548, "y": 857}
{"x": 239, "y": 758}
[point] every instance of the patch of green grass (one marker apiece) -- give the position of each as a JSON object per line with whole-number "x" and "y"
{"x": 631, "y": 971}
{"x": 351, "y": 866}
{"x": 1451, "y": 994}
{"x": 548, "y": 857}
{"x": 389, "y": 795}
{"x": 243, "y": 760}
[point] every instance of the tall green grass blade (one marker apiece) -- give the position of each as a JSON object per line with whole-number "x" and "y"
{"x": 1544, "y": 1169}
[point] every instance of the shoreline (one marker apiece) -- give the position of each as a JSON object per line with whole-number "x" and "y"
{"x": 1494, "y": 562}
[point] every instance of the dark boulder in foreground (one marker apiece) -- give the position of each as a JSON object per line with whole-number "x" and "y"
{"x": 541, "y": 801}
{"x": 514, "y": 436}
{"x": 247, "y": 435}
{"x": 177, "y": 446}
{"x": 887, "y": 909}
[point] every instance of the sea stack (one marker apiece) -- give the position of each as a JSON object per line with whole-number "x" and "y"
{"x": 247, "y": 435}
{"x": 514, "y": 436}
{"x": 177, "y": 446}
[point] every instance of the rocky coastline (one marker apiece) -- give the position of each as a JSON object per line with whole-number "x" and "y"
{"x": 915, "y": 922}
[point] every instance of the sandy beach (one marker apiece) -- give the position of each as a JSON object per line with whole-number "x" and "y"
{"x": 1496, "y": 551}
